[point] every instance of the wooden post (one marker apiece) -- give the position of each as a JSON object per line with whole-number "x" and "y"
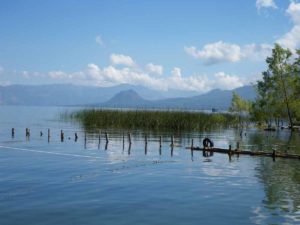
{"x": 129, "y": 138}
{"x": 160, "y": 141}
{"x": 192, "y": 148}
{"x": 123, "y": 141}
{"x": 106, "y": 137}
{"x": 238, "y": 148}
{"x": 274, "y": 154}
{"x": 129, "y": 148}
{"x": 48, "y": 135}
{"x": 41, "y": 133}
{"x": 172, "y": 141}
{"x": 229, "y": 152}
{"x": 146, "y": 143}
{"x": 62, "y": 136}
{"x": 27, "y": 131}
{"x": 12, "y": 132}
{"x": 76, "y": 137}
{"x": 159, "y": 145}
{"x": 84, "y": 139}
{"x": 99, "y": 139}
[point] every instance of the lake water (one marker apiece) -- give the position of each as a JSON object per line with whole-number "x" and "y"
{"x": 72, "y": 182}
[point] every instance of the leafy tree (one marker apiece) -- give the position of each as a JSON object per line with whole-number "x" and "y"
{"x": 278, "y": 94}
{"x": 239, "y": 106}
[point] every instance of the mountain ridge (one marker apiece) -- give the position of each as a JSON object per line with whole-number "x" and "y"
{"x": 220, "y": 99}
{"x": 121, "y": 96}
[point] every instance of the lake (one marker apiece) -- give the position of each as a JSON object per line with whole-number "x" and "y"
{"x": 87, "y": 182}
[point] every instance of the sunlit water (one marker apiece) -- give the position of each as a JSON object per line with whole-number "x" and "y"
{"x": 72, "y": 182}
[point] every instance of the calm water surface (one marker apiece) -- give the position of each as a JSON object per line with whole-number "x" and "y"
{"x": 72, "y": 182}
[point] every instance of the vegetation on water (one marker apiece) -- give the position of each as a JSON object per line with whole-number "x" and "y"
{"x": 152, "y": 120}
{"x": 278, "y": 93}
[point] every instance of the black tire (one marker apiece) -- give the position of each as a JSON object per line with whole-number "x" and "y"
{"x": 207, "y": 143}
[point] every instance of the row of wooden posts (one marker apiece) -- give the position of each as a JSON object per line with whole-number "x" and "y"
{"x": 62, "y": 137}
{"x": 207, "y": 151}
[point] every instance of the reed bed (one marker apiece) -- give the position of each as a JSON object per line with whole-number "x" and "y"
{"x": 153, "y": 120}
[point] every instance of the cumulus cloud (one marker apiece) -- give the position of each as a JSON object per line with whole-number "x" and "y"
{"x": 99, "y": 40}
{"x": 291, "y": 39}
{"x": 216, "y": 52}
{"x": 119, "y": 59}
{"x": 225, "y": 81}
{"x": 111, "y": 75}
{"x": 265, "y": 4}
{"x": 156, "y": 69}
{"x": 220, "y": 52}
{"x": 256, "y": 51}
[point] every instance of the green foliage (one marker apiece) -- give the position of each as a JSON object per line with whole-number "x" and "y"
{"x": 238, "y": 104}
{"x": 278, "y": 94}
{"x": 153, "y": 120}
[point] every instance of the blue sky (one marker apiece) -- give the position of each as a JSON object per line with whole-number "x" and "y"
{"x": 184, "y": 45}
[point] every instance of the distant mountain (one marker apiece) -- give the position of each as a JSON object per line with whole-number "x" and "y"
{"x": 66, "y": 94}
{"x": 127, "y": 99}
{"x": 220, "y": 99}
{"x": 121, "y": 96}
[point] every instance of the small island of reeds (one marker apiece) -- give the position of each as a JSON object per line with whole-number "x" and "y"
{"x": 153, "y": 120}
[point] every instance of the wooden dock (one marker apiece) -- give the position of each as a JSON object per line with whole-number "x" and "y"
{"x": 238, "y": 152}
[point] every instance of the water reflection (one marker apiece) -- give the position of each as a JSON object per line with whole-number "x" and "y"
{"x": 280, "y": 179}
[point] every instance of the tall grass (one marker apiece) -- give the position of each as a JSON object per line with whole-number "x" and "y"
{"x": 153, "y": 120}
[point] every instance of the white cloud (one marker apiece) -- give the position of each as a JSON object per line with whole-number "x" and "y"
{"x": 291, "y": 39}
{"x": 58, "y": 74}
{"x": 216, "y": 52}
{"x": 294, "y": 12}
{"x": 119, "y": 59}
{"x": 265, "y": 4}
{"x": 220, "y": 52}
{"x": 225, "y": 81}
{"x": 256, "y": 51}
{"x": 110, "y": 76}
{"x": 156, "y": 69}
{"x": 99, "y": 40}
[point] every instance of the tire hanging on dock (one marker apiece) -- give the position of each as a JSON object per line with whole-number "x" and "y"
{"x": 207, "y": 143}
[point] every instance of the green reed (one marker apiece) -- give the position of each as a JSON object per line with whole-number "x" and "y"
{"x": 153, "y": 120}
